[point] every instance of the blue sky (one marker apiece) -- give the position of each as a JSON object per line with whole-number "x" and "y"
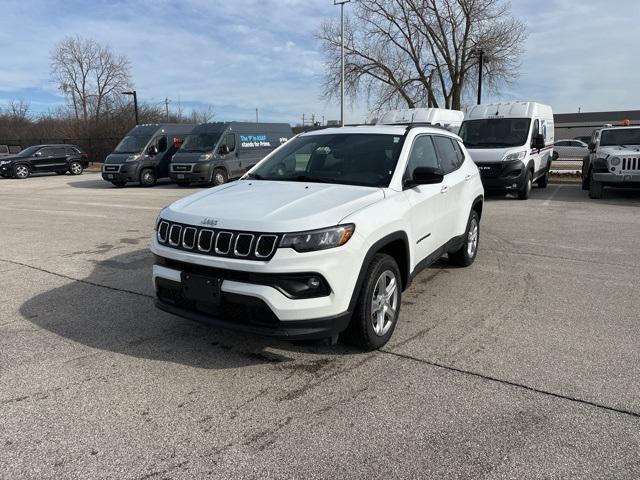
{"x": 241, "y": 54}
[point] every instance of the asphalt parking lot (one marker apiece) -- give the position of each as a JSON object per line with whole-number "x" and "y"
{"x": 525, "y": 365}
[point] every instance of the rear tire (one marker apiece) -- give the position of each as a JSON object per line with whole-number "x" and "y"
{"x": 21, "y": 171}
{"x": 378, "y": 307}
{"x": 76, "y": 168}
{"x": 467, "y": 253}
{"x": 148, "y": 177}
{"x": 219, "y": 177}
{"x": 525, "y": 191}
{"x": 119, "y": 184}
{"x": 595, "y": 188}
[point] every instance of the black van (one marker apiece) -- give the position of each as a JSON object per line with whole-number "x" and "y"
{"x": 143, "y": 155}
{"x": 215, "y": 152}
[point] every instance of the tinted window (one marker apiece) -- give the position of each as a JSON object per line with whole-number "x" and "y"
{"x": 59, "y": 151}
{"x": 459, "y": 152}
{"x": 200, "y": 142}
{"x": 162, "y": 144}
{"x": 622, "y": 136}
{"x": 70, "y": 151}
{"x": 230, "y": 141}
{"x": 447, "y": 154}
{"x": 423, "y": 154}
{"x": 562, "y": 144}
{"x": 495, "y": 132}
{"x": 47, "y": 152}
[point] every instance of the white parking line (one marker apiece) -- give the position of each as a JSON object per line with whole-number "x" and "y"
{"x": 57, "y": 212}
{"x": 548, "y": 200}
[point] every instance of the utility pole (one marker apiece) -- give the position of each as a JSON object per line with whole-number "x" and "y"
{"x": 480, "y": 53}
{"x": 303, "y": 119}
{"x": 166, "y": 107}
{"x": 257, "y": 115}
{"x": 135, "y": 102}
{"x": 341, "y": 3}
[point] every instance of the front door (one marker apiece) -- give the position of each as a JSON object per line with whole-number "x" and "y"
{"x": 451, "y": 160}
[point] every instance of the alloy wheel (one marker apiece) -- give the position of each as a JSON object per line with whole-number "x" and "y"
{"x": 76, "y": 168}
{"x": 384, "y": 303}
{"x": 22, "y": 171}
{"x": 472, "y": 238}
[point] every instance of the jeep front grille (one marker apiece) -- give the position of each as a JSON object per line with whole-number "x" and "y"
{"x": 631, "y": 164}
{"x": 218, "y": 243}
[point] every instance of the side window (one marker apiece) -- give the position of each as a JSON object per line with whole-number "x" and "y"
{"x": 561, "y": 144}
{"x": 459, "y": 152}
{"x": 423, "y": 154}
{"x": 162, "y": 144}
{"x": 447, "y": 154}
{"x": 70, "y": 151}
{"x": 60, "y": 151}
{"x": 46, "y": 152}
{"x": 230, "y": 141}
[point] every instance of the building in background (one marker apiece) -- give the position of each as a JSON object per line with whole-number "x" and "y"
{"x": 574, "y": 125}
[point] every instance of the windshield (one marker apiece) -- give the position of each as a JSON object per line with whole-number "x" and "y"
{"x": 622, "y": 136}
{"x": 200, "y": 142}
{"x": 28, "y": 151}
{"x": 495, "y": 132}
{"x": 132, "y": 144}
{"x": 349, "y": 159}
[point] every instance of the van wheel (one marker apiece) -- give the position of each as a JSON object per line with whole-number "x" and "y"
{"x": 119, "y": 184}
{"x": 525, "y": 191}
{"x": 21, "y": 171}
{"x": 595, "y": 188}
{"x": 219, "y": 177}
{"x": 148, "y": 177}
{"x": 378, "y": 307}
{"x": 543, "y": 181}
{"x": 467, "y": 253}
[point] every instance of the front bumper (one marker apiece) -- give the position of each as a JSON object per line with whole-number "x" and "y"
{"x": 502, "y": 175}
{"x": 6, "y": 169}
{"x": 121, "y": 172}
{"x": 260, "y": 308}
{"x": 632, "y": 179}
{"x": 199, "y": 172}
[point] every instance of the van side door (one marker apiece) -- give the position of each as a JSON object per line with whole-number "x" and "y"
{"x": 162, "y": 157}
{"x": 232, "y": 158}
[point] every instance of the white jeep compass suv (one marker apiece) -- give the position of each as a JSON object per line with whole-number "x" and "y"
{"x": 323, "y": 235}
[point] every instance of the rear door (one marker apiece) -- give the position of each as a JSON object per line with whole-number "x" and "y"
{"x": 48, "y": 159}
{"x": 451, "y": 159}
{"x": 426, "y": 216}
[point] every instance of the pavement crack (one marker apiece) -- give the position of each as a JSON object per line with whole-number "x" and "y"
{"x": 489, "y": 378}
{"x": 67, "y": 277}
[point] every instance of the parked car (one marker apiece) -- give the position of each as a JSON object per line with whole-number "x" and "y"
{"x": 584, "y": 139}
{"x": 613, "y": 161}
{"x": 512, "y": 144}
{"x": 9, "y": 150}
{"x": 44, "y": 158}
{"x": 323, "y": 235}
{"x": 567, "y": 149}
{"x": 216, "y": 152}
{"x": 143, "y": 155}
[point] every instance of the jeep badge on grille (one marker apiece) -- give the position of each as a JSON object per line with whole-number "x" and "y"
{"x": 210, "y": 222}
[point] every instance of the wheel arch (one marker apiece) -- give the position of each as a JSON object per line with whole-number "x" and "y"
{"x": 478, "y": 205}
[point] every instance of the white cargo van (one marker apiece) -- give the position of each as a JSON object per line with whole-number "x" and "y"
{"x": 512, "y": 145}
{"x": 439, "y": 117}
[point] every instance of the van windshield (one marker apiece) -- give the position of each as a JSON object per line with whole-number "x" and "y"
{"x": 200, "y": 142}
{"x": 132, "y": 144}
{"x": 345, "y": 158}
{"x": 621, "y": 136}
{"x": 495, "y": 132}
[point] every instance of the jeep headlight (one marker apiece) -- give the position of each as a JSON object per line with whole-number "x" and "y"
{"x": 133, "y": 158}
{"x": 615, "y": 161}
{"x": 515, "y": 156}
{"x": 318, "y": 239}
{"x": 5, "y": 162}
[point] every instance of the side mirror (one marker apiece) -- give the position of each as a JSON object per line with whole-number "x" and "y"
{"x": 37, "y": 154}
{"x": 425, "y": 176}
{"x": 223, "y": 149}
{"x": 591, "y": 146}
{"x": 538, "y": 142}
{"x": 152, "y": 150}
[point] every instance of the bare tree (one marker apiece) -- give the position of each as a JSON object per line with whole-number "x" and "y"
{"x": 420, "y": 52}
{"x": 203, "y": 114}
{"x": 89, "y": 74}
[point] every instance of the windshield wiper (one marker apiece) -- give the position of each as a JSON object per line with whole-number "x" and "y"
{"x": 253, "y": 176}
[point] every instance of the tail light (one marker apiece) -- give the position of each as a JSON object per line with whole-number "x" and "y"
{"x": 85, "y": 156}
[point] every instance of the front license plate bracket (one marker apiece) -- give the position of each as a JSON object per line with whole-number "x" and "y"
{"x": 201, "y": 289}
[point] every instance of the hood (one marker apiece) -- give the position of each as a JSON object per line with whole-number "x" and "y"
{"x": 117, "y": 158}
{"x": 187, "y": 157}
{"x": 617, "y": 150}
{"x": 269, "y": 206}
{"x": 4, "y": 158}
{"x": 492, "y": 155}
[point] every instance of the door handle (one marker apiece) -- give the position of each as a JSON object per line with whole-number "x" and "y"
{"x": 468, "y": 177}
{"x": 444, "y": 189}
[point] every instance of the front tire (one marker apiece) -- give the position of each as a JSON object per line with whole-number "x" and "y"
{"x": 378, "y": 307}
{"x": 76, "y": 168}
{"x": 467, "y": 253}
{"x": 543, "y": 181}
{"x": 525, "y": 191}
{"x": 595, "y": 188}
{"x": 219, "y": 177}
{"x": 21, "y": 171}
{"x": 148, "y": 177}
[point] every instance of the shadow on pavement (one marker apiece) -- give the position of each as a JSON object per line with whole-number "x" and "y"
{"x": 573, "y": 193}
{"x": 113, "y": 309}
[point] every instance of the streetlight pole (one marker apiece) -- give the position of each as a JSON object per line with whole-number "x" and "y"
{"x": 135, "y": 102}
{"x": 480, "y": 53}
{"x": 341, "y": 3}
